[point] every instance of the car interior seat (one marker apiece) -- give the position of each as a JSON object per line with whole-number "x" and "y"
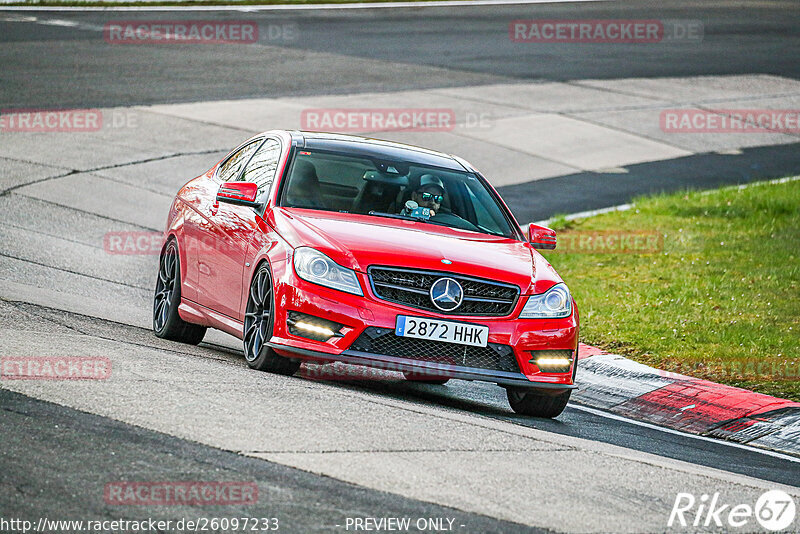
{"x": 375, "y": 196}
{"x": 304, "y": 190}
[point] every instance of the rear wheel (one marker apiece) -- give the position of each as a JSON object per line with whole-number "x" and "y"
{"x": 167, "y": 323}
{"x": 428, "y": 379}
{"x": 258, "y": 324}
{"x": 527, "y": 401}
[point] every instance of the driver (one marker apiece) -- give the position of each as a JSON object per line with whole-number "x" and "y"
{"x": 430, "y": 192}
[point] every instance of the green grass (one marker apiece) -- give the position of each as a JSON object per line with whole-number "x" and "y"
{"x": 722, "y": 296}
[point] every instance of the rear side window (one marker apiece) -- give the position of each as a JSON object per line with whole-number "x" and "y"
{"x": 233, "y": 166}
{"x": 261, "y": 169}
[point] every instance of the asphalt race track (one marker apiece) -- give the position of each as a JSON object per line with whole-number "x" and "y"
{"x": 321, "y": 452}
{"x": 387, "y": 50}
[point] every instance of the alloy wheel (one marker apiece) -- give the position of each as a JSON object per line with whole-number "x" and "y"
{"x": 258, "y": 314}
{"x": 165, "y": 287}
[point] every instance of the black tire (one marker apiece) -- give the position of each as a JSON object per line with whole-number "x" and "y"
{"x": 428, "y": 379}
{"x": 527, "y": 401}
{"x": 258, "y": 324}
{"x": 167, "y": 324}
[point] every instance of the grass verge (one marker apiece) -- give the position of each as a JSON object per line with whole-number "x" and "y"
{"x": 717, "y": 297}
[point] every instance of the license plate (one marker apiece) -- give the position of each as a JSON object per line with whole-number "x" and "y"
{"x": 446, "y": 331}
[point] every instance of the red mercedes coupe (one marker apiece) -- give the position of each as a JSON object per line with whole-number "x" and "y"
{"x": 327, "y": 247}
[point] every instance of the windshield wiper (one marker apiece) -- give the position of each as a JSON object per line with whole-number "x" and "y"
{"x": 483, "y": 230}
{"x": 431, "y": 221}
{"x": 391, "y": 215}
{"x": 408, "y": 218}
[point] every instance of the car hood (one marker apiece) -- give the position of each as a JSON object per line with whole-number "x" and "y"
{"x": 359, "y": 241}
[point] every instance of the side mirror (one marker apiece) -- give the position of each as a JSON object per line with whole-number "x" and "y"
{"x": 541, "y": 237}
{"x": 239, "y": 193}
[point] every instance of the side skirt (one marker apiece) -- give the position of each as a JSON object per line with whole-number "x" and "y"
{"x": 192, "y": 312}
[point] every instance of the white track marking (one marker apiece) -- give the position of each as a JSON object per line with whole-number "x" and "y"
{"x": 718, "y": 441}
{"x": 756, "y": 184}
{"x": 51, "y": 22}
{"x": 590, "y": 213}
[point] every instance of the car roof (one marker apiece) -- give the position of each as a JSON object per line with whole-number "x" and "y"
{"x": 376, "y": 148}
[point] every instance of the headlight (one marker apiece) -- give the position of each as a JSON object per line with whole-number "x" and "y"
{"x": 555, "y": 303}
{"x": 315, "y": 267}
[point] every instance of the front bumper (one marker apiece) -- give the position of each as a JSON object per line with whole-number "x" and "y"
{"x": 357, "y": 314}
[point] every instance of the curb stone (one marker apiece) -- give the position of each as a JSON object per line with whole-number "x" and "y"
{"x": 621, "y": 386}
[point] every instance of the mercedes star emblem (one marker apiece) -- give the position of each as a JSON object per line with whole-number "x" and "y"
{"x": 446, "y": 294}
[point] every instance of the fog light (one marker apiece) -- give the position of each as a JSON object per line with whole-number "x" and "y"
{"x": 308, "y": 326}
{"x": 552, "y": 361}
{"x": 314, "y": 328}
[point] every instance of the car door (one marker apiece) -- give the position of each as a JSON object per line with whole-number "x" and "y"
{"x": 203, "y": 239}
{"x": 235, "y": 226}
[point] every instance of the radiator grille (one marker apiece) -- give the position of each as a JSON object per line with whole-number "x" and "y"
{"x": 383, "y": 341}
{"x": 412, "y": 287}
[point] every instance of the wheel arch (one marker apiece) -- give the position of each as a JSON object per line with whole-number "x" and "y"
{"x": 174, "y": 231}
{"x": 275, "y": 252}
{"x": 183, "y": 261}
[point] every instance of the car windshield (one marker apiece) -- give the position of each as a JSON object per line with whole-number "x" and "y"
{"x": 356, "y": 184}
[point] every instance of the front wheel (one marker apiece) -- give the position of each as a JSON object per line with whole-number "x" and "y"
{"x": 527, "y": 401}
{"x": 167, "y": 323}
{"x": 258, "y": 323}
